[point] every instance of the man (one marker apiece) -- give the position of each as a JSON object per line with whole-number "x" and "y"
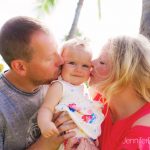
{"x": 31, "y": 53}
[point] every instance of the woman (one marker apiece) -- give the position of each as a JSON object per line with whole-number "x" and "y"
{"x": 121, "y": 74}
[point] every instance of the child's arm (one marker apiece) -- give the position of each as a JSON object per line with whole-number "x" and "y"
{"x": 45, "y": 113}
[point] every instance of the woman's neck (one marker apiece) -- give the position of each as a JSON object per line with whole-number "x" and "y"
{"x": 125, "y": 104}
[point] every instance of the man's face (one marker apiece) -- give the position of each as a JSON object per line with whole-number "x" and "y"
{"x": 45, "y": 64}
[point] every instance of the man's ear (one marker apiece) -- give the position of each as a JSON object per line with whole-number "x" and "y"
{"x": 19, "y": 66}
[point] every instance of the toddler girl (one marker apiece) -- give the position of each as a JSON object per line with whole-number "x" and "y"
{"x": 69, "y": 94}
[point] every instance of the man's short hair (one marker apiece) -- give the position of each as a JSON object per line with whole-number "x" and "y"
{"x": 15, "y": 36}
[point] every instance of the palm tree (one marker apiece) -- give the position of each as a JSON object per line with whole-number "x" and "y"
{"x": 145, "y": 19}
{"x": 45, "y": 6}
{"x": 73, "y": 29}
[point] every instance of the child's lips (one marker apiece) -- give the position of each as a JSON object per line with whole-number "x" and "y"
{"x": 77, "y": 75}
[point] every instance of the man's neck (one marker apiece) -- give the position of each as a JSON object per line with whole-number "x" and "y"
{"x": 20, "y": 82}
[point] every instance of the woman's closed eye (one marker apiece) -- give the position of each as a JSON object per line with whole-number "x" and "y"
{"x": 101, "y": 62}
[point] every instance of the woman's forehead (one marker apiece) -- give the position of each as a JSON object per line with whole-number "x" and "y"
{"x": 105, "y": 49}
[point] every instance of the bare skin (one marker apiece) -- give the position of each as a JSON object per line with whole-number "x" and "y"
{"x": 80, "y": 144}
{"x": 63, "y": 123}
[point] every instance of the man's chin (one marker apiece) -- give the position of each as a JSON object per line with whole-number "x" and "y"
{"x": 49, "y": 81}
{"x": 56, "y": 78}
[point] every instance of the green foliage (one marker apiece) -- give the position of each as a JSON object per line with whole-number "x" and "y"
{"x": 46, "y": 5}
{"x": 1, "y": 67}
{"x": 87, "y": 85}
{"x": 77, "y": 34}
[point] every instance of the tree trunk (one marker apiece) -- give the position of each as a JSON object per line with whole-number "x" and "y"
{"x": 145, "y": 19}
{"x": 99, "y": 8}
{"x": 75, "y": 21}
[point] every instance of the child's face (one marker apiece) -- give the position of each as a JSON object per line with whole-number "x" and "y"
{"x": 77, "y": 66}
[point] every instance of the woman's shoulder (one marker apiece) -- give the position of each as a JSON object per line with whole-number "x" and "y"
{"x": 144, "y": 121}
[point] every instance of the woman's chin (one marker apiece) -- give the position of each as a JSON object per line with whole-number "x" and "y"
{"x": 91, "y": 83}
{"x": 95, "y": 86}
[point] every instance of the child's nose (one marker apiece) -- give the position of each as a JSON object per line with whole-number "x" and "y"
{"x": 78, "y": 68}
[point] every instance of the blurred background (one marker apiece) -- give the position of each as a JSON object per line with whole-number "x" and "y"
{"x": 94, "y": 19}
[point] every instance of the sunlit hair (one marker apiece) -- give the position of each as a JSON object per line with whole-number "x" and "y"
{"x": 15, "y": 36}
{"x": 82, "y": 44}
{"x": 130, "y": 58}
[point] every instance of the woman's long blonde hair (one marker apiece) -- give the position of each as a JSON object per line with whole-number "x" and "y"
{"x": 130, "y": 58}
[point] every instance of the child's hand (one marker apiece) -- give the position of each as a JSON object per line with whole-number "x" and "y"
{"x": 49, "y": 130}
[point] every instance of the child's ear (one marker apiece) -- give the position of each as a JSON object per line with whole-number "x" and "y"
{"x": 19, "y": 66}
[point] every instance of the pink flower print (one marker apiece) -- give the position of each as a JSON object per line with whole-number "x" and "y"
{"x": 73, "y": 107}
{"x": 89, "y": 118}
{"x": 89, "y": 112}
{"x": 86, "y": 118}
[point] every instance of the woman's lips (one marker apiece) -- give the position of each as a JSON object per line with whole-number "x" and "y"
{"x": 91, "y": 74}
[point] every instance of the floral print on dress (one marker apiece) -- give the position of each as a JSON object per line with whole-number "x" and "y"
{"x": 90, "y": 117}
{"x": 73, "y": 107}
{"x": 84, "y": 112}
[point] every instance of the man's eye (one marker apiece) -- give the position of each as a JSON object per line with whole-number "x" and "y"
{"x": 71, "y": 63}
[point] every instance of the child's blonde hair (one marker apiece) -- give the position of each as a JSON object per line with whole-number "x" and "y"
{"x": 77, "y": 43}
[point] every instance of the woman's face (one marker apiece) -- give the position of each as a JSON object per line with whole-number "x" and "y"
{"x": 101, "y": 67}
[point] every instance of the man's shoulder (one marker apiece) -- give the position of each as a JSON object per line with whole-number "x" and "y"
{"x": 3, "y": 88}
{"x": 1, "y": 79}
{"x": 2, "y": 83}
{"x": 2, "y": 123}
